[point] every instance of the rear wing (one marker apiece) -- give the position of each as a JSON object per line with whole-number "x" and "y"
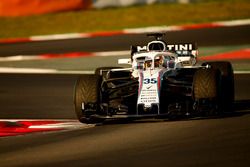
{"x": 182, "y": 49}
{"x": 186, "y": 49}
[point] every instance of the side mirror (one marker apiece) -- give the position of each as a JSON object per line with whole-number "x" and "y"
{"x": 133, "y": 49}
{"x": 124, "y": 61}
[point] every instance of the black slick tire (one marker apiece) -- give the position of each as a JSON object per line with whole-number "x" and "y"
{"x": 86, "y": 97}
{"x": 206, "y": 91}
{"x": 227, "y": 84}
{"x": 205, "y": 84}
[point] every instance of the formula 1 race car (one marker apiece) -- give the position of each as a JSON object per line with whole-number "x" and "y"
{"x": 165, "y": 80}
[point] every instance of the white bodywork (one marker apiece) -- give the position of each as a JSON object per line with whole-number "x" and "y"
{"x": 169, "y": 57}
{"x": 149, "y": 76}
{"x": 149, "y": 88}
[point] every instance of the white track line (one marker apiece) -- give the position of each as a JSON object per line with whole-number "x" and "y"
{"x": 234, "y": 22}
{"x": 241, "y": 72}
{"x": 19, "y": 58}
{"x": 41, "y": 57}
{"x": 112, "y": 53}
{"x": 58, "y": 36}
{"x": 129, "y": 31}
{"x": 140, "y": 30}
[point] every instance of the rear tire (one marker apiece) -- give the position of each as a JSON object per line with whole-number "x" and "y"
{"x": 86, "y": 98}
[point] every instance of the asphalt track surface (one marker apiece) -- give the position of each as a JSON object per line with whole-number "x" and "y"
{"x": 37, "y": 96}
{"x": 217, "y": 141}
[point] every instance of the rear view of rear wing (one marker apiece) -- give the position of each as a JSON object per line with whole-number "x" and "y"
{"x": 183, "y": 49}
{"x": 186, "y": 49}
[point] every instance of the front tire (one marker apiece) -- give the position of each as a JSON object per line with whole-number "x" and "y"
{"x": 227, "y": 84}
{"x": 86, "y": 98}
{"x": 205, "y": 84}
{"x": 206, "y": 90}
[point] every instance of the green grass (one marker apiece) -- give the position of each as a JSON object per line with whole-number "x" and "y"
{"x": 129, "y": 17}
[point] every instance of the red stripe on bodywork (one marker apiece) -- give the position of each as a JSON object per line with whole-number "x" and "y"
{"x": 140, "y": 83}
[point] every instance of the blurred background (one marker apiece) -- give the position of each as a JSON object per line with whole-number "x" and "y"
{"x": 46, "y": 44}
{"x": 23, "y": 18}
{"x": 67, "y": 21}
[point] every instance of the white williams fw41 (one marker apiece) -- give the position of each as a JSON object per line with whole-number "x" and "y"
{"x": 164, "y": 80}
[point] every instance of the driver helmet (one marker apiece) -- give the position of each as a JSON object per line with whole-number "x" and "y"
{"x": 148, "y": 62}
{"x": 158, "y": 61}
